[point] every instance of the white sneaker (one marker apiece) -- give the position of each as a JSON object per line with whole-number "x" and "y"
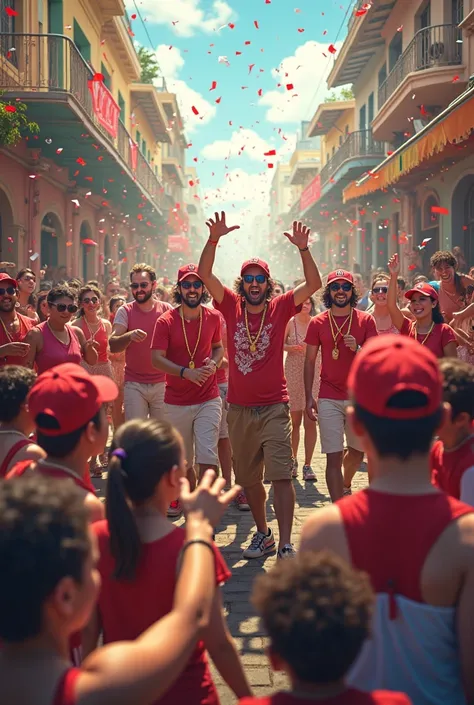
{"x": 287, "y": 551}
{"x": 260, "y": 545}
{"x": 308, "y": 474}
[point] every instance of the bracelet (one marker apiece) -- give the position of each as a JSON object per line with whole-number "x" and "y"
{"x": 213, "y": 242}
{"x": 201, "y": 541}
{"x": 182, "y": 372}
{"x": 303, "y": 249}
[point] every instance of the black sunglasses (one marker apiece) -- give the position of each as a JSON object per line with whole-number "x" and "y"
{"x": 142, "y": 285}
{"x": 189, "y": 285}
{"x": 71, "y": 308}
{"x": 259, "y": 278}
{"x": 92, "y": 300}
{"x": 380, "y": 290}
{"x": 345, "y": 286}
{"x": 10, "y": 290}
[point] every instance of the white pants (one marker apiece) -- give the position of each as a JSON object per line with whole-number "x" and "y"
{"x": 199, "y": 426}
{"x": 333, "y": 426}
{"x": 144, "y": 400}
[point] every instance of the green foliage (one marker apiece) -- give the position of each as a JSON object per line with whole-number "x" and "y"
{"x": 14, "y": 122}
{"x": 344, "y": 94}
{"x": 149, "y": 65}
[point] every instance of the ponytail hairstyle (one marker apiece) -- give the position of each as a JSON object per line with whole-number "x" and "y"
{"x": 142, "y": 453}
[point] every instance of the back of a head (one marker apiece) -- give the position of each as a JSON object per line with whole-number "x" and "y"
{"x": 458, "y": 386}
{"x": 43, "y": 539}
{"x": 15, "y": 384}
{"x": 317, "y": 612}
{"x": 142, "y": 452}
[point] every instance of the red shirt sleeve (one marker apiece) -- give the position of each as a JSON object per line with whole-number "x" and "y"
{"x": 286, "y": 302}
{"x": 222, "y": 572}
{"x": 406, "y": 327}
{"x": 371, "y": 328}
{"x": 447, "y": 335}
{"x": 217, "y": 337}
{"x": 228, "y": 303}
{"x": 312, "y": 334}
{"x": 161, "y": 334}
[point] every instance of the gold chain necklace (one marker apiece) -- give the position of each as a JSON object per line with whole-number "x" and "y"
{"x": 333, "y": 324}
{"x": 57, "y": 336}
{"x": 7, "y": 333}
{"x": 422, "y": 342}
{"x": 192, "y": 364}
{"x": 253, "y": 341}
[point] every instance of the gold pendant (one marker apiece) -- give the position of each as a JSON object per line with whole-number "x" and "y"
{"x": 335, "y": 354}
{"x": 253, "y": 348}
{"x": 191, "y": 365}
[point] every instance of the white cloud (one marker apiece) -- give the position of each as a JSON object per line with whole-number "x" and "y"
{"x": 248, "y": 143}
{"x": 240, "y": 188}
{"x": 307, "y": 69}
{"x": 171, "y": 62}
{"x": 184, "y": 17}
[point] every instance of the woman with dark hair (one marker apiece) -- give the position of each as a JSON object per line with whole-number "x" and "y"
{"x": 429, "y": 327}
{"x": 55, "y": 340}
{"x": 295, "y": 348}
{"x": 455, "y": 290}
{"x": 26, "y": 279}
{"x": 140, "y": 555}
{"x": 42, "y": 310}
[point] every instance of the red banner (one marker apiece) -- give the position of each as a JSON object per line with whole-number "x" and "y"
{"x": 311, "y": 194}
{"x": 105, "y": 108}
{"x": 133, "y": 154}
{"x": 178, "y": 243}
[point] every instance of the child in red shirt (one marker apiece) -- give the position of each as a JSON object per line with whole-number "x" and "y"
{"x": 452, "y": 456}
{"x": 140, "y": 553}
{"x": 50, "y": 585}
{"x": 317, "y": 611}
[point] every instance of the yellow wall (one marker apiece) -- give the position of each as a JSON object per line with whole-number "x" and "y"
{"x": 302, "y": 155}
{"x": 332, "y": 139}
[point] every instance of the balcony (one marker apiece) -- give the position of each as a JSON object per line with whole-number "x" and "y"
{"x": 425, "y": 70}
{"x": 146, "y": 96}
{"x": 49, "y": 74}
{"x": 172, "y": 160}
{"x": 116, "y": 33}
{"x": 111, "y": 8}
{"x": 358, "y": 153}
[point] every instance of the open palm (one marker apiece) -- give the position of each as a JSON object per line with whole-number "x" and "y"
{"x": 218, "y": 226}
{"x": 299, "y": 236}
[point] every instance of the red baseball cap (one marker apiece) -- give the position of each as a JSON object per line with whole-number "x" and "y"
{"x": 388, "y": 364}
{"x": 187, "y": 270}
{"x": 6, "y": 280}
{"x": 423, "y": 288}
{"x": 341, "y": 274}
{"x": 70, "y": 395}
{"x": 256, "y": 262}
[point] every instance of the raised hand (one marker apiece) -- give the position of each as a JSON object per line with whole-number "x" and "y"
{"x": 299, "y": 236}
{"x": 218, "y": 226}
{"x": 208, "y": 502}
{"x": 394, "y": 265}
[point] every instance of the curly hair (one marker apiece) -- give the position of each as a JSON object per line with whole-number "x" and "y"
{"x": 443, "y": 257}
{"x": 326, "y": 297}
{"x": 60, "y": 291}
{"x": 43, "y": 539}
{"x": 178, "y": 299}
{"x": 239, "y": 287}
{"x": 317, "y": 611}
{"x": 15, "y": 384}
{"x": 139, "y": 268}
{"x": 458, "y": 386}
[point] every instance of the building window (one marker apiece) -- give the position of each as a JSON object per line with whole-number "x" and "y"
{"x": 81, "y": 41}
{"x": 138, "y": 138}
{"x": 370, "y": 108}
{"x": 382, "y": 75}
{"x": 7, "y": 23}
{"x": 395, "y": 50}
{"x": 121, "y": 104}
{"x": 340, "y": 140}
{"x": 106, "y": 75}
{"x": 346, "y": 130}
{"x": 144, "y": 148}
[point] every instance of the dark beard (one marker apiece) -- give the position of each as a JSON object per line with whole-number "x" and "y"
{"x": 340, "y": 305}
{"x": 256, "y": 302}
{"x": 146, "y": 298}
{"x": 192, "y": 304}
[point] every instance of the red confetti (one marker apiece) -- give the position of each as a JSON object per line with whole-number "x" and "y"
{"x": 256, "y": 24}
{"x": 300, "y": 30}
{"x": 289, "y": 86}
{"x": 213, "y": 86}
{"x": 271, "y": 153}
{"x": 10, "y": 109}
{"x": 400, "y": 29}
{"x": 231, "y": 25}
{"x": 238, "y": 53}
{"x": 251, "y": 67}
{"x": 80, "y": 161}
{"x": 195, "y": 110}
{"x": 440, "y": 210}
{"x": 455, "y": 78}
{"x": 133, "y": 17}
{"x": 332, "y": 49}
{"x": 260, "y": 92}
{"x": 98, "y": 77}
{"x": 247, "y": 43}
{"x": 270, "y": 166}
{"x": 218, "y": 100}
{"x": 11, "y": 12}
{"x": 191, "y": 183}
{"x": 88, "y": 241}
{"x": 361, "y": 12}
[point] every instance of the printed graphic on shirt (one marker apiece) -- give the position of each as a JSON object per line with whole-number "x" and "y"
{"x": 244, "y": 358}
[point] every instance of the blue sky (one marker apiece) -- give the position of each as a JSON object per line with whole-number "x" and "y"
{"x": 242, "y": 118}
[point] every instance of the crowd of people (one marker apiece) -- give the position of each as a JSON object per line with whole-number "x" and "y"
{"x": 113, "y": 603}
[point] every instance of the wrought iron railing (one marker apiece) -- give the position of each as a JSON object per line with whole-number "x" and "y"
{"x": 439, "y": 45}
{"x": 357, "y": 144}
{"x": 43, "y": 63}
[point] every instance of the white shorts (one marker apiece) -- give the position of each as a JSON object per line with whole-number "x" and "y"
{"x": 224, "y": 429}
{"x": 199, "y": 426}
{"x": 141, "y": 401}
{"x": 333, "y": 426}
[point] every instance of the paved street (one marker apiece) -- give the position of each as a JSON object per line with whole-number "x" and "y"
{"x": 231, "y": 536}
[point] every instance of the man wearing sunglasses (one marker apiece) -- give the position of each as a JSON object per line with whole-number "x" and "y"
{"x": 339, "y": 332}
{"x": 13, "y": 326}
{"x": 134, "y": 323}
{"x": 187, "y": 346}
{"x": 258, "y": 416}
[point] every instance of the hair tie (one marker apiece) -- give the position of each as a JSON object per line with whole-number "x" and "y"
{"x": 119, "y": 453}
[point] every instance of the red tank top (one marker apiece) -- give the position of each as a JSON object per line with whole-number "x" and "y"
{"x": 16, "y": 447}
{"x": 100, "y": 337}
{"x": 138, "y": 367}
{"x": 390, "y": 535}
{"x": 54, "y": 352}
{"x": 66, "y": 690}
{"x": 25, "y": 466}
{"x": 448, "y": 466}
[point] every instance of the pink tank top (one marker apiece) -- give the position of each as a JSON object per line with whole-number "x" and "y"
{"x": 66, "y": 690}
{"x": 100, "y": 337}
{"x": 54, "y": 352}
{"x": 138, "y": 367}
